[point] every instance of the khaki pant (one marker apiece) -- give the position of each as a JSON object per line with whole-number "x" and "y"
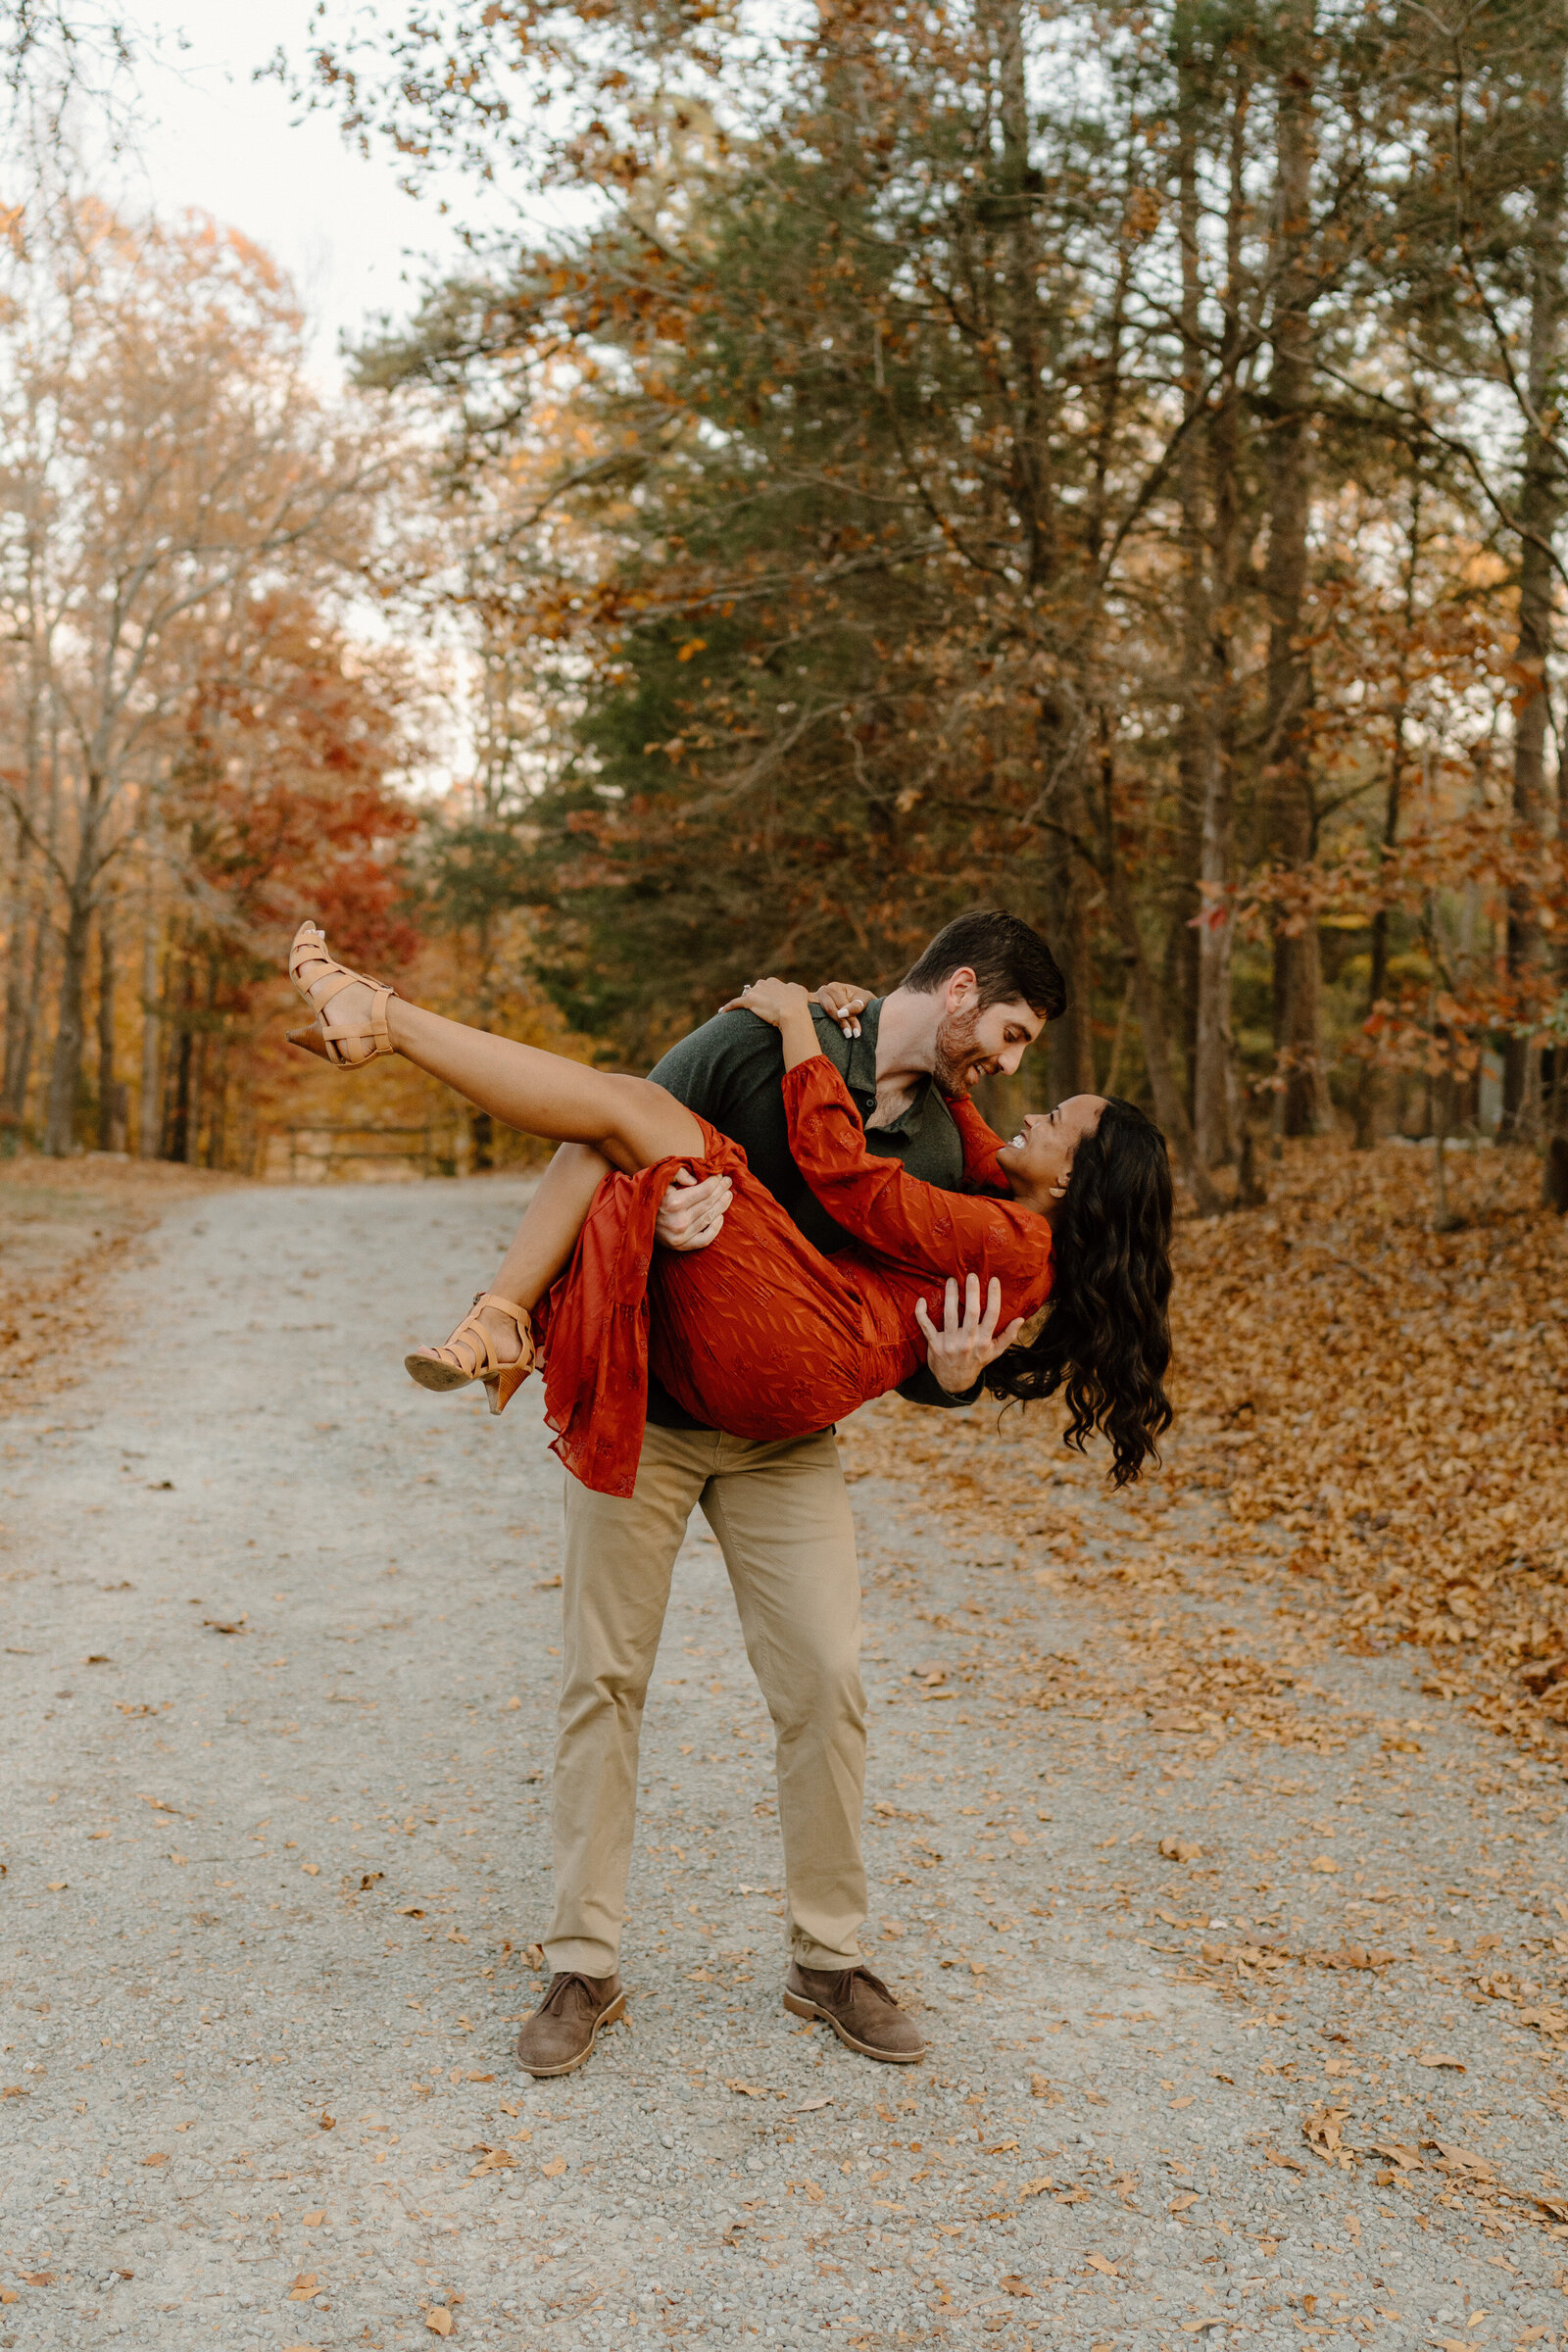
{"x": 781, "y": 1516}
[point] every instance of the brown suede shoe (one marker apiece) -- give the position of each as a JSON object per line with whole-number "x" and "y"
{"x": 562, "y": 2030}
{"x": 861, "y": 2010}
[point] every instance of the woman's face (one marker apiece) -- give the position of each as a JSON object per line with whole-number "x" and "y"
{"x": 1038, "y": 1161}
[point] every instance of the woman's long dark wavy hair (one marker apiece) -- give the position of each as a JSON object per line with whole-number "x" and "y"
{"x": 1105, "y": 1342}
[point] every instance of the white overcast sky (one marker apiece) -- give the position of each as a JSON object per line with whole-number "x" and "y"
{"x": 215, "y": 139}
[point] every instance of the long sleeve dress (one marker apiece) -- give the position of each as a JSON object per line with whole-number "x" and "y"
{"x": 760, "y": 1334}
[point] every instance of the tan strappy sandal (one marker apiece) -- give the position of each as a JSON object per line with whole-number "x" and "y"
{"x": 469, "y": 1356}
{"x": 320, "y": 977}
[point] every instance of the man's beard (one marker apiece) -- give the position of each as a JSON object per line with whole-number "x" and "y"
{"x": 955, "y": 1061}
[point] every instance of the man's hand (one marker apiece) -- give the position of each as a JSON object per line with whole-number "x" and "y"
{"x": 960, "y": 1351}
{"x": 844, "y": 1003}
{"x": 691, "y": 1214}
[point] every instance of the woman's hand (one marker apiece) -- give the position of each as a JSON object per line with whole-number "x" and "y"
{"x": 786, "y": 1008}
{"x": 960, "y": 1351}
{"x": 843, "y": 1002}
{"x": 773, "y": 1000}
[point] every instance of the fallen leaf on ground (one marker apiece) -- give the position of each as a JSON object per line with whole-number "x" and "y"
{"x": 1291, "y": 2163}
{"x": 810, "y": 2106}
{"x": 493, "y": 2160}
{"x": 1035, "y": 2188}
{"x": 438, "y": 2320}
{"x": 1180, "y": 1850}
{"x": 1098, "y": 2262}
{"x": 162, "y": 2158}
{"x": 747, "y": 2090}
{"x": 1013, "y": 2284}
{"x": 1321, "y": 2131}
{"x": 328, "y": 2123}
{"x": 555, "y": 2168}
{"x": 1440, "y": 2058}
{"x": 304, "y": 2287}
{"x": 313, "y": 2220}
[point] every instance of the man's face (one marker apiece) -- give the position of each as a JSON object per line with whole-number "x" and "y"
{"x": 971, "y": 1044}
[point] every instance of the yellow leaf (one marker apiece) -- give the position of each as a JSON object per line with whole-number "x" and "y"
{"x": 304, "y": 2287}
{"x": 328, "y": 2122}
{"x": 313, "y": 2220}
{"x": 1324, "y": 1863}
{"x": 311, "y": 1869}
{"x": 162, "y": 2159}
{"x": 1035, "y": 2188}
{"x": 438, "y": 2320}
{"x": 747, "y": 2090}
{"x": 555, "y": 2168}
{"x": 1180, "y": 1850}
{"x": 1441, "y": 2058}
{"x": 1013, "y": 2286}
{"x": 58, "y": 1886}
{"x": 1098, "y": 2262}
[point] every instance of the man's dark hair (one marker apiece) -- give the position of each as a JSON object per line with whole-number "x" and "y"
{"x": 1010, "y": 961}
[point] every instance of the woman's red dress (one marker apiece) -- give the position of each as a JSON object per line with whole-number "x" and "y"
{"x": 760, "y": 1334}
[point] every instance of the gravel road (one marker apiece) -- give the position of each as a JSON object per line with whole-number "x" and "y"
{"x": 278, "y": 1693}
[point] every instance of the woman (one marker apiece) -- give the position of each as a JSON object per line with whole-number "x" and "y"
{"x": 760, "y": 1334}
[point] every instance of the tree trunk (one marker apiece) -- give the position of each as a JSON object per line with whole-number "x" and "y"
{"x": 107, "y": 1090}
{"x": 64, "y": 1075}
{"x": 21, "y": 1012}
{"x": 1070, "y": 923}
{"x": 176, "y": 1143}
{"x": 1298, "y": 971}
{"x": 1169, "y": 1108}
{"x": 1539, "y": 509}
{"x": 1214, "y": 1106}
{"x": 1012, "y": 203}
{"x": 149, "y": 1115}
{"x": 1195, "y": 738}
{"x": 1370, "y": 1090}
{"x": 18, "y": 1065}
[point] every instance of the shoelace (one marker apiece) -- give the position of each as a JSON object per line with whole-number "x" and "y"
{"x": 844, "y": 1984}
{"x": 553, "y": 2000}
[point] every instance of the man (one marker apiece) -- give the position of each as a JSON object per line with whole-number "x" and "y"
{"x": 969, "y": 1007}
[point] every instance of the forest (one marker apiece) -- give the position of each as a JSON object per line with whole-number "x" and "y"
{"x": 1105, "y": 460}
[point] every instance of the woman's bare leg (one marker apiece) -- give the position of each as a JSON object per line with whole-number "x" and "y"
{"x": 632, "y": 1122}
{"x": 543, "y": 1244}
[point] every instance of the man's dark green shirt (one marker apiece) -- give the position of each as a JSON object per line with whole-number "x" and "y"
{"x": 731, "y": 1071}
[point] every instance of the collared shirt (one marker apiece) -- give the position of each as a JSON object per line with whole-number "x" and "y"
{"x": 730, "y": 1071}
